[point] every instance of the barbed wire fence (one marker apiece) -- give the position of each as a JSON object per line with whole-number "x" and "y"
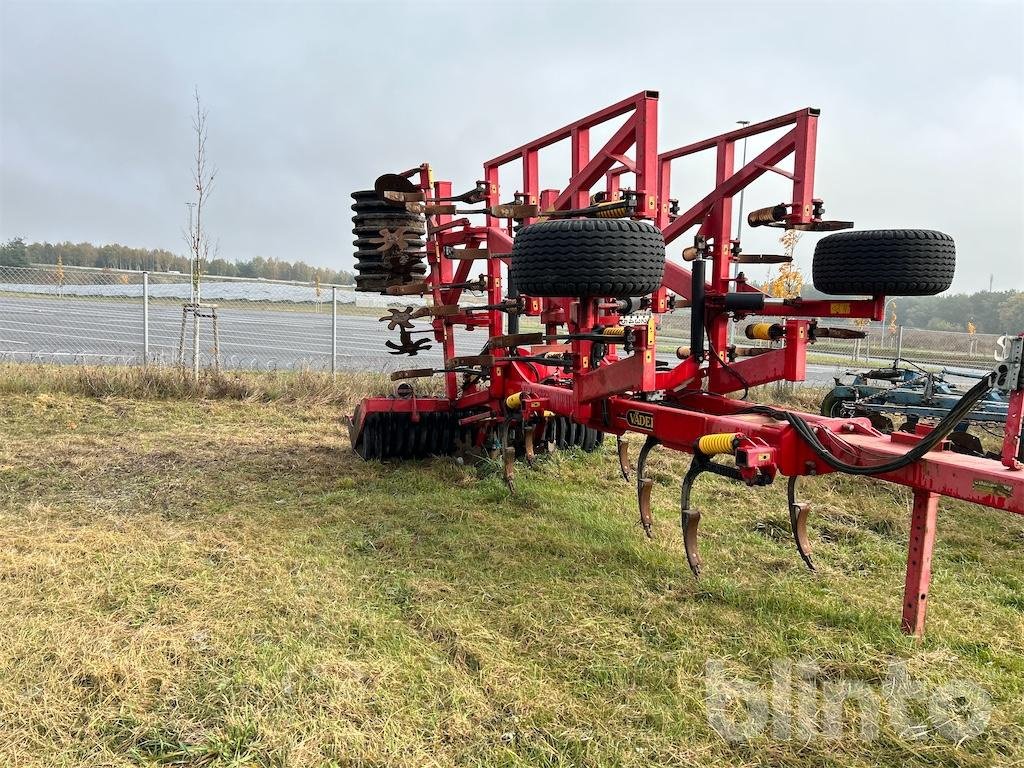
{"x": 76, "y": 315}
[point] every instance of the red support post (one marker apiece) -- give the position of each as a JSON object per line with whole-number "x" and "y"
{"x": 919, "y": 561}
{"x": 580, "y": 139}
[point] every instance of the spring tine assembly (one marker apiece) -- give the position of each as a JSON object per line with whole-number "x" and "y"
{"x": 644, "y": 486}
{"x": 411, "y": 289}
{"x": 622, "y": 444}
{"x": 508, "y": 455}
{"x": 514, "y": 211}
{"x": 529, "y": 436}
{"x": 689, "y": 517}
{"x": 466, "y": 254}
{"x": 761, "y": 258}
{"x": 798, "y": 512}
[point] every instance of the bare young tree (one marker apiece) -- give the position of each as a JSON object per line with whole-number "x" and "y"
{"x": 203, "y": 175}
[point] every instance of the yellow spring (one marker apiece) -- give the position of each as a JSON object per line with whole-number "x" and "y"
{"x": 723, "y": 442}
{"x": 613, "y": 330}
{"x": 611, "y": 210}
{"x": 760, "y": 331}
{"x": 768, "y": 215}
{"x": 514, "y": 401}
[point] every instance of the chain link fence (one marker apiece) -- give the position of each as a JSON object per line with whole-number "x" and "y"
{"x": 105, "y": 316}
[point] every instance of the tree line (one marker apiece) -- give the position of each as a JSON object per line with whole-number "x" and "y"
{"x": 984, "y": 311}
{"x": 17, "y": 253}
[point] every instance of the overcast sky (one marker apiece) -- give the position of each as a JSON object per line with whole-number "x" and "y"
{"x": 922, "y": 119}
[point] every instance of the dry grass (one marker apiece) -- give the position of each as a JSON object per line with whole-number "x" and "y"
{"x": 155, "y": 383}
{"x": 194, "y": 581}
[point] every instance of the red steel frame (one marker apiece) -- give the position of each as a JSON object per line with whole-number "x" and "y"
{"x": 608, "y": 397}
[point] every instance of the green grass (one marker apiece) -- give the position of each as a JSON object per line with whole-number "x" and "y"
{"x": 209, "y": 577}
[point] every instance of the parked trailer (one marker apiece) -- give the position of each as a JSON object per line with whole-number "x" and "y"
{"x": 590, "y": 266}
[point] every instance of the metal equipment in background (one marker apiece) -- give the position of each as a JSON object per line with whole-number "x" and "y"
{"x": 909, "y": 392}
{"x": 587, "y": 265}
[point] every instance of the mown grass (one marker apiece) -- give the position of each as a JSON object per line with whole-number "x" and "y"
{"x": 209, "y": 577}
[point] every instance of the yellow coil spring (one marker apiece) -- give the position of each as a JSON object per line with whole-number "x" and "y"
{"x": 723, "y": 442}
{"x": 514, "y": 401}
{"x": 762, "y": 331}
{"x": 768, "y": 215}
{"x": 613, "y": 330}
{"x": 611, "y": 210}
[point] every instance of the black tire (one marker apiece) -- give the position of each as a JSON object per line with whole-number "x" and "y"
{"x": 614, "y": 258}
{"x": 891, "y": 262}
{"x": 832, "y": 405}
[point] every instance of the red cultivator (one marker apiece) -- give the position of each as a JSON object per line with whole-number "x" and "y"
{"x": 591, "y": 267}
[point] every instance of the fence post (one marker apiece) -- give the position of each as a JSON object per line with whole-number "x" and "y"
{"x": 899, "y": 343}
{"x": 334, "y": 331}
{"x": 145, "y": 318}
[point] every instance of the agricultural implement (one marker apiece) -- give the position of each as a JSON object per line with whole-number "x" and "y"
{"x": 585, "y": 266}
{"x": 912, "y": 393}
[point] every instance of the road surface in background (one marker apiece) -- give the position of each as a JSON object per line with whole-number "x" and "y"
{"x": 101, "y": 332}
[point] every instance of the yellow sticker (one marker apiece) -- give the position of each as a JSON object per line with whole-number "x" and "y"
{"x": 1002, "y": 490}
{"x": 839, "y": 308}
{"x": 650, "y": 330}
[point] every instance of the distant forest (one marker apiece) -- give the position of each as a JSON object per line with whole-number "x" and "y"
{"x": 988, "y": 311}
{"x": 16, "y": 252}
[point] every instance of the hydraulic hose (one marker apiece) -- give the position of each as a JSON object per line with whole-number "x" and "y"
{"x": 945, "y": 425}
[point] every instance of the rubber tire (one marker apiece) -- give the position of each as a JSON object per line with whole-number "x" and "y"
{"x": 613, "y": 258}
{"x": 831, "y": 405}
{"x": 889, "y": 262}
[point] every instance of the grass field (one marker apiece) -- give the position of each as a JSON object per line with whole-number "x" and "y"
{"x": 213, "y": 579}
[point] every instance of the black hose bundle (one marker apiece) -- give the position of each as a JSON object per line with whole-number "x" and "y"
{"x": 946, "y": 425}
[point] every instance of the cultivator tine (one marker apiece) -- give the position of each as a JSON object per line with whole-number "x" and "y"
{"x": 690, "y": 517}
{"x": 454, "y": 224}
{"x": 394, "y": 196}
{"x": 690, "y": 521}
{"x": 529, "y": 436}
{"x": 517, "y": 339}
{"x": 470, "y": 361}
{"x": 509, "y": 467}
{"x": 644, "y": 486}
{"x": 798, "y": 512}
{"x": 550, "y": 442}
{"x": 622, "y": 444}
{"x": 762, "y": 258}
{"x": 467, "y": 254}
{"x": 416, "y": 288}
{"x": 508, "y": 456}
{"x": 413, "y": 373}
{"x": 511, "y": 211}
